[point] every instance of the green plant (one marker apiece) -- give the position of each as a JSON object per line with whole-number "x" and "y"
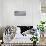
{"x": 34, "y": 39}
{"x": 41, "y": 26}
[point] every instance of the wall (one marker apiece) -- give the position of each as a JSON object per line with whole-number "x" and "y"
{"x": 1, "y": 17}
{"x": 32, "y": 8}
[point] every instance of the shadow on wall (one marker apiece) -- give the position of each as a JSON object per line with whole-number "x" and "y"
{"x": 1, "y": 32}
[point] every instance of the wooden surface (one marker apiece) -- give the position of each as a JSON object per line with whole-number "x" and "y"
{"x": 42, "y": 41}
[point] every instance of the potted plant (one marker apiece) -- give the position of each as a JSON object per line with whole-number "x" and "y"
{"x": 41, "y": 27}
{"x": 34, "y": 39}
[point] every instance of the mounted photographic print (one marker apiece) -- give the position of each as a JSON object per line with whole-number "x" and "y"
{"x": 20, "y": 13}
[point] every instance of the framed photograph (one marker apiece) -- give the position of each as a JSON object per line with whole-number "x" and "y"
{"x": 20, "y": 13}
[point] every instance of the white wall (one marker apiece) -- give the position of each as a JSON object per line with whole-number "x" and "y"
{"x": 1, "y": 17}
{"x": 36, "y": 12}
{"x": 32, "y": 8}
